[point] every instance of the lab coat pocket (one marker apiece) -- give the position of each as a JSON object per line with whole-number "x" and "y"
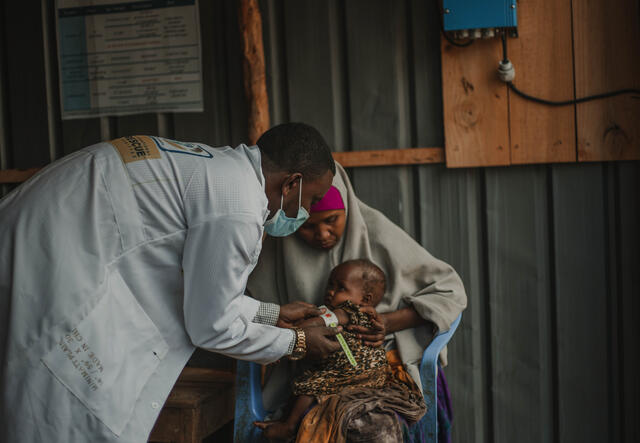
{"x": 108, "y": 357}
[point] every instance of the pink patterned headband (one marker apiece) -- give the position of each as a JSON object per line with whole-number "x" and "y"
{"x": 330, "y": 202}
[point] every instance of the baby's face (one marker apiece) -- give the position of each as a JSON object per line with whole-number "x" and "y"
{"x": 345, "y": 284}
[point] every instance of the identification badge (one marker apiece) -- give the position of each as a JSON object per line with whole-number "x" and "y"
{"x": 137, "y": 147}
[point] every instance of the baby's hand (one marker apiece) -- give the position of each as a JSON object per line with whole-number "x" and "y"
{"x": 373, "y": 336}
{"x": 343, "y": 317}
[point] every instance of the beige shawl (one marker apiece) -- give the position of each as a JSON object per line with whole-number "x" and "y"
{"x": 290, "y": 270}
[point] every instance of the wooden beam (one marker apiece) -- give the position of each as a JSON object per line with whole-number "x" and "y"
{"x": 349, "y": 159}
{"x": 390, "y": 157}
{"x": 206, "y": 375}
{"x": 255, "y": 84}
{"x": 16, "y": 175}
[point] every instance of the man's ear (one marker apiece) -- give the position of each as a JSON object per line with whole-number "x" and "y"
{"x": 367, "y": 297}
{"x": 291, "y": 183}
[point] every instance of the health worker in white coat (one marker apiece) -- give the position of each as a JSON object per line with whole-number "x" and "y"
{"x": 118, "y": 260}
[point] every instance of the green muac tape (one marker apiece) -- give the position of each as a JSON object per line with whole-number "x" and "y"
{"x": 345, "y": 347}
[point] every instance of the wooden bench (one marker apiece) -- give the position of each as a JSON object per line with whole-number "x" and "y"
{"x": 201, "y": 402}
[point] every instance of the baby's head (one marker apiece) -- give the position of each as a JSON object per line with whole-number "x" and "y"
{"x": 359, "y": 281}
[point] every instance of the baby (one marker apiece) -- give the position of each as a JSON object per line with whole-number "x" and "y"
{"x": 352, "y": 284}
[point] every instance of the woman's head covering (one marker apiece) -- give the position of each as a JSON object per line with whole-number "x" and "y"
{"x": 289, "y": 270}
{"x": 331, "y": 201}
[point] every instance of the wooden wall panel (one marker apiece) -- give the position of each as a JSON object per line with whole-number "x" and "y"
{"x": 520, "y": 304}
{"x": 476, "y": 119}
{"x": 542, "y": 56}
{"x": 607, "y": 57}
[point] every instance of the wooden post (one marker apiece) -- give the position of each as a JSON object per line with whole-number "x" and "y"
{"x": 255, "y": 85}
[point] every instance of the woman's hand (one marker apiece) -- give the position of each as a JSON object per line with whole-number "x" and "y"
{"x": 370, "y": 336}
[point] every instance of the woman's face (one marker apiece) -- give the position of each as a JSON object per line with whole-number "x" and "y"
{"x": 323, "y": 229}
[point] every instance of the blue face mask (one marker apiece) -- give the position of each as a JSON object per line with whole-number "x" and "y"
{"x": 280, "y": 225}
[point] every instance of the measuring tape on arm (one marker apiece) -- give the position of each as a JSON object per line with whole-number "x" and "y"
{"x": 331, "y": 320}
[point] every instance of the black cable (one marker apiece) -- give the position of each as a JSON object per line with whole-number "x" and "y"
{"x": 504, "y": 47}
{"x": 574, "y": 101}
{"x": 453, "y": 42}
{"x": 444, "y": 33}
{"x": 563, "y": 102}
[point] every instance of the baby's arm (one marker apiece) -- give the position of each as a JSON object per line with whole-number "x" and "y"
{"x": 343, "y": 319}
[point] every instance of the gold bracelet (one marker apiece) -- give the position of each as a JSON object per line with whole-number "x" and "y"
{"x": 300, "y": 348}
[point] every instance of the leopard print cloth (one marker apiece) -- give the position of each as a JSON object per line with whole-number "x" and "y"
{"x": 334, "y": 373}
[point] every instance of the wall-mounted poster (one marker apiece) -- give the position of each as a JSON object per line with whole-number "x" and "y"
{"x": 120, "y": 57}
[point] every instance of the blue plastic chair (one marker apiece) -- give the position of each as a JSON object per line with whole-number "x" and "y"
{"x": 249, "y": 406}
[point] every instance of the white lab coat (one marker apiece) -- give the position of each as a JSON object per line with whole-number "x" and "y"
{"x": 96, "y": 317}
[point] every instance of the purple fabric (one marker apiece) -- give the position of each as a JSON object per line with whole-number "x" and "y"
{"x": 445, "y": 413}
{"x": 332, "y": 200}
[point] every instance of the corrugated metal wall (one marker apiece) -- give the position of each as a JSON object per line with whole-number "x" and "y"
{"x": 550, "y": 254}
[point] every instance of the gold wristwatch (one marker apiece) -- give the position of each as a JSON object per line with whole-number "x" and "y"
{"x": 300, "y": 348}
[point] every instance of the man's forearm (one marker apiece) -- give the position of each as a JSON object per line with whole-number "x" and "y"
{"x": 268, "y": 314}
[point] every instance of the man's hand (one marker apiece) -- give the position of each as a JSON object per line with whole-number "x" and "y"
{"x": 374, "y": 336}
{"x": 320, "y": 341}
{"x": 296, "y": 311}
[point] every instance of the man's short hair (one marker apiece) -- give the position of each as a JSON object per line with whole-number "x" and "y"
{"x": 296, "y": 147}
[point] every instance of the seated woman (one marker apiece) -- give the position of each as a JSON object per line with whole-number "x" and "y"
{"x": 424, "y": 295}
{"x": 352, "y": 285}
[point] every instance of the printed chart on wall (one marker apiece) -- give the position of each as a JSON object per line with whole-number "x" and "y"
{"x": 119, "y": 58}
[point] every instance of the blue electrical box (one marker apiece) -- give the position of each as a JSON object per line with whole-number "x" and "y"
{"x": 475, "y": 14}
